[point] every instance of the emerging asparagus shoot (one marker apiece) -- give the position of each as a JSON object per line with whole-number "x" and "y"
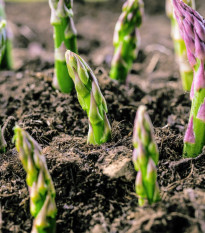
{"x": 192, "y": 28}
{"x": 41, "y": 188}
{"x": 145, "y": 158}
{"x": 3, "y": 143}
{"x": 186, "y": 70}
{"x": 90, "y": 98}
{"x": 64, "y": 38}
{"x": 126, "y": 39}
{"x": 6, "y": 61}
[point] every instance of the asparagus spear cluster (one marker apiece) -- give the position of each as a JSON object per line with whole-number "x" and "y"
{"x": 5, "y": 40}
{"x": 145, "y": 158}
{"x": 126, "y": 39}
{"x": 64, "y": 38}
{"x": 192, "y": 28}
{"x": 90, "y": 98}
{"x": 41, "y": 188}
{"x": 186, "y": 70}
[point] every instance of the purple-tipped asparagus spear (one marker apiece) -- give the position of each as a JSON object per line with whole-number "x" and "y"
{"x": 192, "y": 29}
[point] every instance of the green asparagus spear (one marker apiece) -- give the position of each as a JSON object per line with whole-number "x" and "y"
{"x": 2, "y": 38}
{"x": 41, "y": 188}
{"x": 186, "y": 70}
{"x": 64, "y": 38}
{"x": 126, "y": 39}
{"x": 192, "y": 28}
{"x": 6, "y": 61}
{"x": 145, "y": 158}
{"x": 90, "y": 98}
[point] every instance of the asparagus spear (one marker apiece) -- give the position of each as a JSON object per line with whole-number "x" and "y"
{"x": 6, "y": 61}
{"x": 126, "y": 39}
{"x": 186, "y": 70}
{"x": 192, "y": 28}
{"x": 145, "y": 158}
{"x": 90, "y": 98}
{"x": 41, "y": 188}
{"x": 2, "y": 38}
{"x": 64, "y": 38}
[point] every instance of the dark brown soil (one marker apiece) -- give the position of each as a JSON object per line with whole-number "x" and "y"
{"x": 95, "y": 184}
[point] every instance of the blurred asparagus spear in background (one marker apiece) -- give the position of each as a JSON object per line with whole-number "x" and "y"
{"x": 192, "y": 28}
{"x": 126, "y": 39}
{"x": 145, "y": 159}
{"x": 186, "y": 70}
{"x": 90, "y": 98}
{"x": 41, "y": 188}
{"x": 2, "y": 38}
{"x": 64, "y": 38}
{"x": 6, "y": 61}
{"x": 3, "y": 143}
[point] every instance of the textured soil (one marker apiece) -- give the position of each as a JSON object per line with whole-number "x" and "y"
{"x": 95, "y": 184}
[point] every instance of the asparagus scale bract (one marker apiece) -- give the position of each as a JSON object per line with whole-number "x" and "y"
{"x": 192, "y": 28}
{"x": 41, "y": 188}
{"x": 64, "y": 38}
{"x": 145, "y": 159}
{"x": 6, "y": 61}
{"x": 186, "y": 70}
{"x": 90, "y": 98}
{"x": 126, "y": 39}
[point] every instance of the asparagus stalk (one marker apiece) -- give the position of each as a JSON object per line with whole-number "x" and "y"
{"x": 2, "y": 38}
{"x": 90, "y": 98}
{"x": 3, "y": 143}
{"x": 126, "y": 39}
{"x": 192, "y": 28}
{"x": 64, "y": 38}
{"x": 6, "y": 61}
{"x": 185, "y": 69}
{"x": 41, "y": 188}
{"x": 145, "y": 158}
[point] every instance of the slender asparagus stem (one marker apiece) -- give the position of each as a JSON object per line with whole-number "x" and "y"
{"x": 145, "y": 159}
{"x": 90, "y": 98}
{"x": 6, "y": 60}
{"x": 126, "y": 39}
{"x": 41, "y": 188}
{"x": 64, "y": 38}
{"x": 2, "y": 38}
{"x": 186, "y": 70}
{"x": 192, "y": 28}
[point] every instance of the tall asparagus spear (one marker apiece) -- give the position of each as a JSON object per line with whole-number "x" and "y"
{"x": 90, "y": 98}
{"x": 186, "y": 70}
{"x": 6, "y": 61}
{"x": 192, "y": 28}
{"x": 41, "y": 188}
{"x": 145, "y": 157}
{"x": 126, "y": 39}
{"x": 2, "y": 38}
{"x": 64, "y": 38}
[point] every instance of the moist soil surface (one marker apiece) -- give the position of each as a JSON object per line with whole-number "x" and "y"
{"x": 95, "y": 184}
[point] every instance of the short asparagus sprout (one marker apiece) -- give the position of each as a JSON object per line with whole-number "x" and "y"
{"x": 6, "y": 60}
{"x": 90, "y": 98}
{"x": 186, "y": 70}
{"x": 192, "y": 28}
{"x": 65, "y": 35}
{"x": 41, "y": 188}
{"x": 126, "y": 39}
{"x": 145, "y": 158}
